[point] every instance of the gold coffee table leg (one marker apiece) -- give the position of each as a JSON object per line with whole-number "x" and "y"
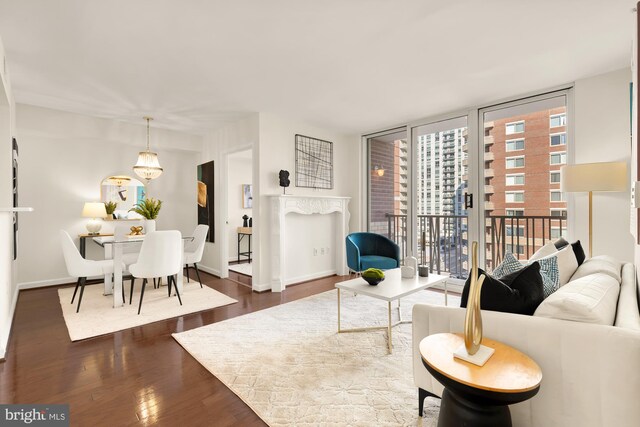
{"x": 389, "y": 329}
{"x": 338, "y": 309}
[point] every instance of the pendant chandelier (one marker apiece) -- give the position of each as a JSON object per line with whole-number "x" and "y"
{"x": 148, "y": 167}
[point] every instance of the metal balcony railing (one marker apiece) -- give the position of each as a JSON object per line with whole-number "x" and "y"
{"x": 443, "y": 239}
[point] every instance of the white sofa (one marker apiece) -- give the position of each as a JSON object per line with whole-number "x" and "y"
{"x": 591, "y": 372}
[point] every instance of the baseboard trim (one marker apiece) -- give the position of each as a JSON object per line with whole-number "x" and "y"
{"x": 308, "y": 277}
{"x": 209, "y": 270}
{"x": 261, "y": 288}
{"x": 50, "y": 282}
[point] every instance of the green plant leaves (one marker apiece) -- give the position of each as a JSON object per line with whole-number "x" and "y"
{"x": 148, "y": 208}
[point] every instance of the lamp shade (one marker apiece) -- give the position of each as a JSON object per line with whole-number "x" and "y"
{"x": 585, "y": 177}
{"x": 148, "y": 166}
{"x": 94, "y": 210}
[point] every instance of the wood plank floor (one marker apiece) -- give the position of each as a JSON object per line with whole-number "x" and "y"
{"x": 136, "y": 377}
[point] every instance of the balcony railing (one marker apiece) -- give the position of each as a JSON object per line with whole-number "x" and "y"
{"x": 443, "y": 239}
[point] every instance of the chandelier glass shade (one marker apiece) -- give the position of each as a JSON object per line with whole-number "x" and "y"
{"x": 148, "y": 166}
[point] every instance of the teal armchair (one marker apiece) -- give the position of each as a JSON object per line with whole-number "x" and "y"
{"x": 370, "y": 250}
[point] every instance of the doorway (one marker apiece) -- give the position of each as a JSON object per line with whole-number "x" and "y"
{"x": 240, "y": 216}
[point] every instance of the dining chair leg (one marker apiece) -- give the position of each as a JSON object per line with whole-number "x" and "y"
{"x": 83, "y": 281}
{"x": 175, "y": 285}
{"x": 197, "y": 273}
{"x": 144, "y": 284}
{"x": 169, "y": 285}
{"x": 133, "y": 281}
{"x": 187, "y": 267}
{"x": 75, "y": 290}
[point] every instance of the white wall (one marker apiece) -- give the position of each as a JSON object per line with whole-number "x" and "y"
{"x": 63, "y": 159}
{"x": 277, "y": 148}
{"x": 8, "y": 287}
{"x": 240, "y": 172}
{"x": 237, "y": 136}
{"x": 601, "y": 106}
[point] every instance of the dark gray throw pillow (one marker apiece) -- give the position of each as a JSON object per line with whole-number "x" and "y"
{"x": 519, "y": 292}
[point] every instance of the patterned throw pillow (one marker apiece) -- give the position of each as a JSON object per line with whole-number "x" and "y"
{"x": 548, "y": 270}
{"x": 550, "y": 275}
{"x": 509, "y": 264}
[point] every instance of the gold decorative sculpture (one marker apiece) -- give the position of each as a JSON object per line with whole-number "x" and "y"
{"x": 473, "y": 319}
{"x": 136, "y": 231}
{"x": 473, "y": 351}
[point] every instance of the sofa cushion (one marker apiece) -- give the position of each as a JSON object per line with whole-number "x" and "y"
{"x": 567, "y": 263}
{"x": 548, "y": 271}
{"x": 377, "y": 261}
{"x": 546, "y": 250}
{"x": 509, "y": 264}
{"x": 518, "y": 292}
{"x": 578, "y": 251}
{"x": 599, "y": 264}
{"x": 627, "y": 315}
{"x": 590, "y": 299}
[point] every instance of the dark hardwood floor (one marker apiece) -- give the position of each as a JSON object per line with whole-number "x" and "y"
{"x": 139, "y": 376}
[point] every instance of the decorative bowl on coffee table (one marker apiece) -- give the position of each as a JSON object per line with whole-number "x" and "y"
{"x": 373, "y": 280}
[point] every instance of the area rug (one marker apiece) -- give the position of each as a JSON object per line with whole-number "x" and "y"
{"x": 245, "y": 269}
{"x": 292, "y": 368}
{"x": 97, "y": 315}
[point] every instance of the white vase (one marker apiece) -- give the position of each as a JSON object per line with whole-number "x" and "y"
{"x": 149, "y": 225}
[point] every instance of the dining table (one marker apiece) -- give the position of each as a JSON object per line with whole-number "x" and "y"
{"x": 117, "y": 247}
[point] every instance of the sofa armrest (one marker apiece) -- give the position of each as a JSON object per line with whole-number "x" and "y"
{"x": 591, "y": 374}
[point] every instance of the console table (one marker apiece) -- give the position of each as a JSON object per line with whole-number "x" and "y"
{"x": 242, "y": 233}
{"x": 474, "y": 395}
{"x": 83, "y": 241}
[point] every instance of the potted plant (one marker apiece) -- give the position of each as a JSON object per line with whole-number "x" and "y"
{"x": 111, "y": 208}
{"x": 148, "y": 209}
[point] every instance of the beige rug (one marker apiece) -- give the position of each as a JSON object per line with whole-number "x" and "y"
{"x": 98, "y": 317}
{"x": 292, "y": 368}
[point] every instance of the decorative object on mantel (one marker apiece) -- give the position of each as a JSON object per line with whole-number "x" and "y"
{"x": 148, "y": 166}
{"x": 283, "y": 176}
{"x": 373, "y": 276}
{"x": 314, "y": 163}
{"x": 245, "y": 220}
{"x": 136, "y": 231}
{"x": 590, "y": 177}
{"x": 205, "y": 205}
{"x": 94, "y": 210}
{"x": 473, "y": 351}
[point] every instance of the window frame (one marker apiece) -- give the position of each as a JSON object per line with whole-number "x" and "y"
{"x": 506, "y": 145}
{"x": 513, "y": 175}
{"x": 551, "y": 173}
{"x": 506, "y": 193}
{"x": 556, "y": 192}
{"x": 551, "y": 116}
{"x": 506, "y": 162}
{"x": 564, "y": 143}
{"x": 558, "y": 153}
{"x": 517, "y": 122}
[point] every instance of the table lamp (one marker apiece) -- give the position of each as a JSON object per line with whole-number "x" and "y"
{"x": 590, "y": 177}
{"x": 94, "y": 210}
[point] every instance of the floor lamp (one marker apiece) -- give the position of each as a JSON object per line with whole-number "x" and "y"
{"x": 590, "y": 177}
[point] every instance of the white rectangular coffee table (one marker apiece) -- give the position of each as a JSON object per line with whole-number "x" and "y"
{"x": 392, "y": 288}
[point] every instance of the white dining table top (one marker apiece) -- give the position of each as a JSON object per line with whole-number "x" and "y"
{"x": 109, "y": 240}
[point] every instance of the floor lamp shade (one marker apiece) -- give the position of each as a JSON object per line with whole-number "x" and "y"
{"x": 590, "y": 177}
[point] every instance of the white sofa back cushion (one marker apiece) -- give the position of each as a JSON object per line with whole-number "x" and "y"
{"x": 628, "y": 315}
{"x": 590, "y": 299}
{"x": 599, "y": 264}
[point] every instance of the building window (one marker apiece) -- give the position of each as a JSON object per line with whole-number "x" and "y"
{"x": 515, "y": 144}
{"x": 515, "y": 162}
{"x": 555, "y": 233}
{"x": 559, "y": 158}
{"x": 558, "y": 139}
{"x": 556, "y": 196}
{"x": 515, "y": 179}
{"x": 554, "y": 177}
{"x": 558, "y": 212}
{"x": 511, "y": 230}
{"x": 515, "y": 212}
{"x": 557, "y": 120}
{"x": 514, "y": 127}
{"x": 515, "y": 249}
{"x": 514, "y": 197}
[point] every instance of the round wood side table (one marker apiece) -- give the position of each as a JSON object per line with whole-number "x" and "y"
{"x": 479, "y": 396}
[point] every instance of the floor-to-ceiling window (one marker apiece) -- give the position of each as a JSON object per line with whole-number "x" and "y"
{"x": 491, "y": 175}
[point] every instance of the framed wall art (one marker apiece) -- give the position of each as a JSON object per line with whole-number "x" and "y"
{"x": 314, "y": 162}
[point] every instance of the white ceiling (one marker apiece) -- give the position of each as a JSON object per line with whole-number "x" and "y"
{"x": 355, "y": 66}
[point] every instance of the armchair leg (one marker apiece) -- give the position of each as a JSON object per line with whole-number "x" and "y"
{"x": 195, "y": 266}
{"x": 83, "y": 281}
{"x": 75, "y": 290}
{"x": 422, "y": 395}
{"x": 144, "y": 284}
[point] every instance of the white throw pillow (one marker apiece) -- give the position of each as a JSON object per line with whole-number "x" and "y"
{"x": 590, "y": 299}
{"x": 543, "y": 252}
{"x": 567, "y": 263}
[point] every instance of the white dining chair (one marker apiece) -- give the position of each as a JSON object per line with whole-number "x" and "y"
{"x": 194, "y": 249}
{"x": 160, "y": 256}
{"x": 81, "y": 268}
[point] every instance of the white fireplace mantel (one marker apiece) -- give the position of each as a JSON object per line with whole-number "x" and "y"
{"x": 281, "y": 205}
